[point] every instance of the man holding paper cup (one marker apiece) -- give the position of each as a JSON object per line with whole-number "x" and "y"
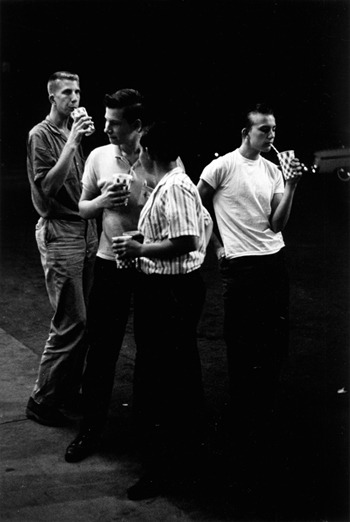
{"x": 251, "y": 203}
{"x": 115, "y": 188}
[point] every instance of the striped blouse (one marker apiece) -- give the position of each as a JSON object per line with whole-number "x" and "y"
{"x": 174, "y": 209}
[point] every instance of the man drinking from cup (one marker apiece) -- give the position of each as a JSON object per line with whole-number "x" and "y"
{"x": 251, "y": 204}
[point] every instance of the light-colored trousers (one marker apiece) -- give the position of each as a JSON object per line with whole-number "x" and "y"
{"x": 67, "y": 250}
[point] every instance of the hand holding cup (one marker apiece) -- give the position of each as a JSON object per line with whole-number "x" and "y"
{"x": 80, "y": 113}
{"x": 291, "y": 167}
{"x": 121, "y": 185}
{"x": 126, "y": 249}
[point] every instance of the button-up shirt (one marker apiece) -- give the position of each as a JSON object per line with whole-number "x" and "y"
{"x": 174, "y": 209}
{"x": 44, "y": 147}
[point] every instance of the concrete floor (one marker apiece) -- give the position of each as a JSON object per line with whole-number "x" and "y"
{"x": 37, "y": 484}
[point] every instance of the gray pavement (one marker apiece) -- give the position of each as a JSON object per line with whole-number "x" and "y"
{"x": 37, "y": 485}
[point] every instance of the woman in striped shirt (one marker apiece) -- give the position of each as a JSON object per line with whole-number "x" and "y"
{"x": 168, "y": 394}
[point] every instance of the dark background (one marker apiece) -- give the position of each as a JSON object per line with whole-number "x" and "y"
{"x": 205, "y": 61}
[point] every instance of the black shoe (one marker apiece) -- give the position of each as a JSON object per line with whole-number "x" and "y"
{"x": 83, "y": 445}
{"x": 146, "y": 487}
{"x": 46, "y": 415}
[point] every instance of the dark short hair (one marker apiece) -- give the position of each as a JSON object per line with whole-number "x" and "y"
{"x": 130, "y": 100}
{"x": 162, "y": 141}
{"x": 60, "y": 75}
{"x": 258, "y": 108}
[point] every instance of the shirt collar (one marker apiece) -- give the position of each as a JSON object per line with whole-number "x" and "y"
{"x": 172, "y": 172}
{"x": 119, "y": 155}
{"x": 54, "y": 127}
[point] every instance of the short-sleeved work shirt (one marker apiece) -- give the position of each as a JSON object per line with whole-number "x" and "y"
{"x": 44, "y": 147}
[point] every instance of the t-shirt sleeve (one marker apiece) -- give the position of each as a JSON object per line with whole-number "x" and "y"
{"x": 214, "y": 173}
{"x": 89, "y": 180}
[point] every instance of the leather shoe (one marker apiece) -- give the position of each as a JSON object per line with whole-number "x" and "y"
{"x": 147, "y": 486}
{"x": 46, "y": 415}
{"x": 82, "y": 446}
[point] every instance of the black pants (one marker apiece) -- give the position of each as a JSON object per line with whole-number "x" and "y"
{"x": 108, "y": 313}
{"x": 168, "y": 393}
{"x": 256, "y": 296}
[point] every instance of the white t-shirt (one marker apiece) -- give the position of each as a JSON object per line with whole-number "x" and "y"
{"x": 242, "y": 203}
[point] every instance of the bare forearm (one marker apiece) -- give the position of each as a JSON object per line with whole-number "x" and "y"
{"x": 56, "y": 177}
{"x": 280, "y": 216}
{"x": 89, "y": 209}
{"x": 169, "y": 247}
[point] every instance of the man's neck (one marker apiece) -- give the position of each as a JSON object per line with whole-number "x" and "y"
{"x": 248, "y": 152}
{"x": 161, "y": 169}
{"x": 130, "y": 151}
{"x": 59, "y": 120}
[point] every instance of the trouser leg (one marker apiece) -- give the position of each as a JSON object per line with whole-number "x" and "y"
{"x": 256, "y": 334}
{"x": 168, "y": 392}
{"x": 108, "y": 313}
{"x": 62, "y": 247}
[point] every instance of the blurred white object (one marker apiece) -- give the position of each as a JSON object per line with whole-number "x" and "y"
{"x": 342, "y": 390}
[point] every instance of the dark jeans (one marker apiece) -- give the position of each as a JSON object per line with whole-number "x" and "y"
{"x": 108, "y": 313}
{"x": 256, "y": 296}
{"x": 168, "y": 393}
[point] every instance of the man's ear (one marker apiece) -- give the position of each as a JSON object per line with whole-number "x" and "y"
{"x": 51, "y": 98}
{"x": 244, "y": 132}
{"x": 138, "y": 125}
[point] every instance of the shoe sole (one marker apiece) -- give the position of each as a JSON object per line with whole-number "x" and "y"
{"x": 45, "y": 422}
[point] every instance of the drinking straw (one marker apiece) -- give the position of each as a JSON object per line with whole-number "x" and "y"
{"x": 274, "y": 148}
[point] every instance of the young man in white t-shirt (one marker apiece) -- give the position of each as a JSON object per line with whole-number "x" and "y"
{"x": 251, "y": 204}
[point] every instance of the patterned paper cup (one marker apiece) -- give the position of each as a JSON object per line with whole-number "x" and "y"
{"x": 285, "y": 158}
{"x": 124, "y": 263}
{"x": 121, "y": 178}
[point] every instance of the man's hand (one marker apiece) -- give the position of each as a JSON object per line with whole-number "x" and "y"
{"x": 79, "y": 128}
{"x": 298, "y": 170}
{"x": 116, "y": 195}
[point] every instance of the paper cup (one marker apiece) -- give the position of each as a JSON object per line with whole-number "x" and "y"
{"x": 124, "y": 263}
{"x": 81, "y": 111}
{"x": 285, "y": 159}
{"x": 121, "y": 178}
{"x": 134, "y": 234}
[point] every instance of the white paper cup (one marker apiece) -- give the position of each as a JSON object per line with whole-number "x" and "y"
{"x": 134, "y": 234}
{"x": 81, "y": 111}
{"x": 285, "y": 158}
